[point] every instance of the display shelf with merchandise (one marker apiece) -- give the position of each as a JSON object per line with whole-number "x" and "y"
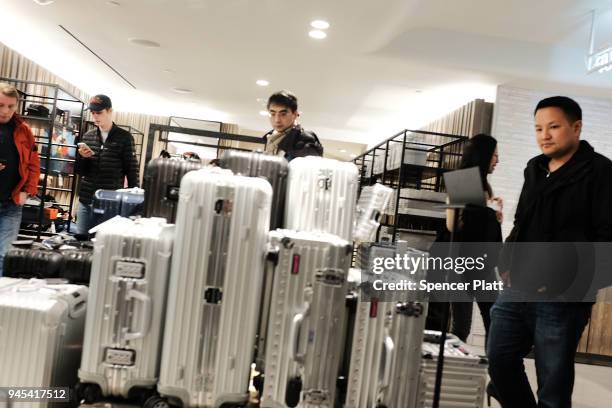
{"x": 412, "y": 162}
{"x": 55, "y": 118}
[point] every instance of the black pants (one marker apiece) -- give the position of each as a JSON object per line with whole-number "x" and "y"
{"x": 462, "y": 318}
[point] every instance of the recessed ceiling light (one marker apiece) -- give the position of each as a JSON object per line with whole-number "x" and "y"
{"x": 342, "y": 150}
{"x": 44, "y": 2}
{"x": 113, "y": 3}
{"x": 418, "y": 91}
{"x": 168, "y": 71}
{"x": 317, "y": 34}
{"x": 264, "y": 113}
{"x": 353, "y": 155}
{"x": 262, "y": 82}
{"x": 182, "y": 90}
{"x": 144, "y": 43}
{"x": 320, "y": 24}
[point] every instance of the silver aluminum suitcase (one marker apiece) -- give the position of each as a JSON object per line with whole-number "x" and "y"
{"x": 215, "y": 288}
{"x": 321, "y": 196}
{"x": 272, "y": 168}
{"x": 372, "y": 202}
{"x": 123, "y": 334}
{"x": 387, "y": 337}
{"x": 463, "y": 379}
{"x": 41, "y": 333}
{"x": 308, "y": 305}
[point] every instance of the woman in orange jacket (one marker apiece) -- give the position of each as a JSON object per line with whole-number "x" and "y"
{"x": 19, "y": 167}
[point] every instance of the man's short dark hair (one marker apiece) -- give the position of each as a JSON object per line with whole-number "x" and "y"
{"x": 283, "y": 98}
{"x": 570, "y": 107}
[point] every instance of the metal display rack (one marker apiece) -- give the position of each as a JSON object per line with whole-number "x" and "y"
{"x": 55, "y": 136}
{"x": 412, "y": 162}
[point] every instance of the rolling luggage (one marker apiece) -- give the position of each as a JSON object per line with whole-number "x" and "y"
{"x": 77, "y": 266}
{"x": 215, "y": 288}
{"x": 321, "y": 196}
{"x": 123, "y": 335}
{"x": 110, "y": 203}
{"x": 162, "y": 180}
{"x": 41, "y": 332}
{"x": 303, "y": 349}
{"x": 272, "y": 168}
{"x": 387, "y": 337}
{"x": 464, "y": 377}
{"x": 32, "y": 263}
{"x": 372, "y": 202}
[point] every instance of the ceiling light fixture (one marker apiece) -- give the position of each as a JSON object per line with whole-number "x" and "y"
{"x": 353, "y": 155}
{"x": 342, "y": 150}
{"x": 144, "y": 43}
{"x": 113, "y": 3}
{"x": 317, "y": 34}
{"x": 320, "y": 24}
{"x": 182, "y": 90}
{"x": 264, "y": 113}
{"x": 168, "y": 71}
{"x": 262, "y": 82}
{"x": 44, "y": 2}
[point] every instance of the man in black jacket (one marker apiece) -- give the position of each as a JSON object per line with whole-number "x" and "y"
{"x": 566, "y": 199}
{"x": 106, "y": 157}
{"x": 289, "y": 139}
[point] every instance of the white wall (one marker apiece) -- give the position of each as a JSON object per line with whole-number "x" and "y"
{"x": 514, "y": 130}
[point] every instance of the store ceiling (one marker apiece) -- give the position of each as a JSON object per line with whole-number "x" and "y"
{"x": 385, "y": 65}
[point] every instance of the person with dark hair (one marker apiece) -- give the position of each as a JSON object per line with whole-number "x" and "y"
{"x": 106, "y": 158}
{"x": 477, "y": 224}
{"x": 566, "y": 197}
{"x": 287, "y": 138}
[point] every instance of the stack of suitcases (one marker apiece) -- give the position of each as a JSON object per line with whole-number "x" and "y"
{"x": 234, "y": 270}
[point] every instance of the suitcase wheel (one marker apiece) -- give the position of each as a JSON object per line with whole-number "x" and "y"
{"x": 292, "y": 395}
{"x": 156, "y": 401}
{"x": 88, "y": 393}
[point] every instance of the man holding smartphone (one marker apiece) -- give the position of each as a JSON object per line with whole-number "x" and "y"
{"x": 19, "y": 167}
{"x": 106, "y": 157}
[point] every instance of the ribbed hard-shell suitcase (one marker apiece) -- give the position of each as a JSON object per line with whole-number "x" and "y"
{"x": 321, "y": 196}
{"x": 303, "y": 347}
{"x": 464, "y": 377}
{"x": 110, "y": 203}
{"x": 41, "y": 333}
{"x": 123, "y": 335}
{"x": 387, "y": 337}
{"x": 162, "y": 180}
{"x": 32, "y": 263}
{"x": 372, "y": 202}
{"x": 272, "y": 168}
{"x": 77, "y": 266}
{"x": 215, "y": 288}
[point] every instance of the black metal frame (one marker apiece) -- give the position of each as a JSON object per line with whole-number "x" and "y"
{"x": 165, "y": 129}
{"x": 445, "y": 151}
{"x": 75, "y": 127}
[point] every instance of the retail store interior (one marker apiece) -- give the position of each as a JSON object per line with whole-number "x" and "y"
{"x": 195, "y": 76}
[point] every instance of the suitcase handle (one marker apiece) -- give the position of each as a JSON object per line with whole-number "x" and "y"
{"x": 294, "y": 335}
{"x": 145, "y": 322}
{"x": 388, "y": 348}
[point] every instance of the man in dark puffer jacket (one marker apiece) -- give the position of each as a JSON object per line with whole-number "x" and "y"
{"x": 104, "y": 160}
{"x": 289, "y": 139}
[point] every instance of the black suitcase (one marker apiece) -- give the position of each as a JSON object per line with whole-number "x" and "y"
{"x": 77, "y": 266}
{"x": 162, "y": 180}
{"x": 32, "y": 263}
{"x": 273, "y": 168}
{"x": 110, "y": 203}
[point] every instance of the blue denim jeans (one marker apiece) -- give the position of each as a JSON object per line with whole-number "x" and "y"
{"x": 10, "y": 220}
{"x": 85, "y": 218}
{"x": 553, "y": 330}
